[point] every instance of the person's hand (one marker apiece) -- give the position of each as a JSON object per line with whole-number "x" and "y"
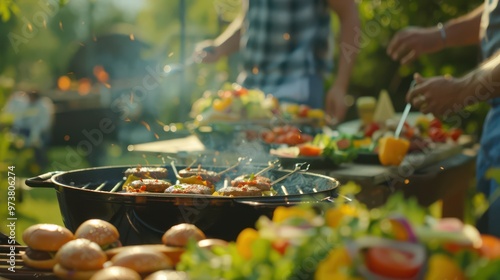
{"x": 411, "y": 42}
{"x": 336, "y": 106}
{"x": 437, "y": 95}
{"x": 206, "y": 52}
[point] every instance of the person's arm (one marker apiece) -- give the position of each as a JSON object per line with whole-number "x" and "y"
{"x": 446, "y": 95}
{"x": 411, "y": 42}
{"x": 347, "y": 12}
{"x": 225, "y": 44}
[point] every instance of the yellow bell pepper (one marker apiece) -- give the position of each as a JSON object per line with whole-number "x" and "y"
{"x": 443, "y": 267}
{"x": 362, "y": 143}
{"x": 392, "y": 151}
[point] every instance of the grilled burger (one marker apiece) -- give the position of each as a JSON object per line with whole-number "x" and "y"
{"x": 189, "y": 189}
{"x": 189, "y": 175}
{"x": 43, "y": 241}
{"x": 239, "y": 191}
{"x": 147, "y": 172}
{"x": 147, "y": 185}
{"x": 250, "y": 180}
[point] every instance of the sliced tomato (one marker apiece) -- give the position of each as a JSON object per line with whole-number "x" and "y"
{"x": 293, "y": 138}
{"x": 436, "y": 123}
{"x": 409, "y": 132}
{"x": 455, "y": 133}
{"x": 437, "y": 134}
{"x": 303, "y": 111}
{"x": 280, "y": 246}
{"x": 310, "y": 150}
{"x": 343, "y": 144}
{"x": 371, "y": 128}
{"x": 391, "y": 262}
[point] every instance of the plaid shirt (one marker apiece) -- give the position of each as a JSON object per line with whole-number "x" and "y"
{"x": 283, "y": 40}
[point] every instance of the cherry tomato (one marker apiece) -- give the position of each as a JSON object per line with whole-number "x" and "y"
{"x": 371, "y": 128}
{"x": 409, "y": 132}
{"x": 278, "y": 130}
{"x": 455, "y": 133}
{"x": 437, "y": 134}
{"x": 293, "y": 138}
{"x": 307, "y": 138}
{"x": 390, "y": 262}
{"x": 280, "y": 139}
{"x": 343, "y": 144}
{"x": 310, "y": 150}
{"x": 291, "y": 128}
{"x": 435, "y": 123}
{"x": 280, "y": 246}
{"x": 303, "y": 111}
{"x": 240, "y": 91}
{"x": 268, "y": 136}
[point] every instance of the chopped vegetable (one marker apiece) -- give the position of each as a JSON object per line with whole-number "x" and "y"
{"x": 309, "y": 150}
{"x": 392, "y": 151}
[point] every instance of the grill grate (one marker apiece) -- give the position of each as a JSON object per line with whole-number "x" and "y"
{"x": 105, "y": 186}
{"x": 22, "y": 272}
{"x": 286, "y": 183}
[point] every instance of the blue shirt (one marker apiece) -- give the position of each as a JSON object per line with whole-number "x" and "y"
{"x": 284, "y": 40}
{"x": 489, "y": 152}
{"x": 490, "y": 28}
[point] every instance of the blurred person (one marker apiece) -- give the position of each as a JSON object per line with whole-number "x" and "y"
{"x": 33, "y": 116}
{"x": 446, "y": 95}
{"x": 285, "y": 50}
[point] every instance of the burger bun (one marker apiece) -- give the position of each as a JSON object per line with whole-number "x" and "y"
{"x": 40, "y": 264}
{"x": 179, "y": 235}
{"x": 142, "y": 260}
{"x": 46, "y": 237}
{"x": 173, "y": 253}
{"x": 167, "y": 275}
{"x": 99, "y": 231}
{"x": 116, "y": 273}
{"x": 79, "y": 259}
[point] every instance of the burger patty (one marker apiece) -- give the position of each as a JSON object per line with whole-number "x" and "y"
{"x": 189, "y": 189}
{"x": 148, "y": 185}
{"x": 38, "y": 255}
{"x": 237, "y": 191}
{"x": 205, "y": 175}
{"x": 249, "y": 180}
{"x": 147, "y": 172}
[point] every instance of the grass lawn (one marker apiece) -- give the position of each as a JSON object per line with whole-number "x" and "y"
{"x": 37, "y": 206}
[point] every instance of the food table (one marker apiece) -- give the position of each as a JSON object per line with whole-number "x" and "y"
{"x": 443, "y": 173}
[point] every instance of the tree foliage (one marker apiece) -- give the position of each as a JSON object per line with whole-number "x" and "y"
{"x": 37, "y": 43}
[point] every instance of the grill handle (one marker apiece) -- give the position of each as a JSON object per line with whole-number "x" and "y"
{"x": 42, "y": 181}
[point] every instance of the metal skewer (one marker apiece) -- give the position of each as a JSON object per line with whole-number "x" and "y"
{"x": 304, "y": 166}
{"x": 240, "y": 159}
{"x": 272, "y": 164}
